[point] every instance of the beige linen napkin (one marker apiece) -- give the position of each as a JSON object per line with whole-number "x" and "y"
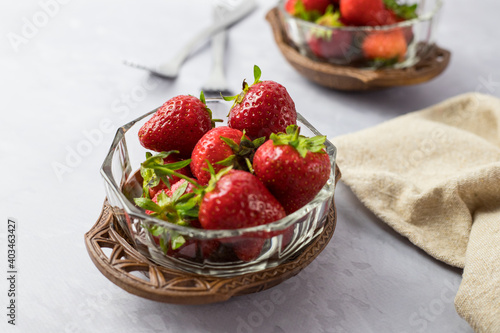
{"x": 434, "y": 176}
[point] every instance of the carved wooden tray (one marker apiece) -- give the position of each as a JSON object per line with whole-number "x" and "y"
{"x": 355, "y": 79}
{"x": 125, "y": 266}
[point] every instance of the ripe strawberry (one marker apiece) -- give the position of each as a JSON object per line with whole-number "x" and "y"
{"x": 292, "y": 167}
{"x": 290, "y": 6}
{"x": 385, "y": 46}
{"x": 221, "y": 147}
{"x": 247, "y": 248}
{"x": 237, "y": 199}
{"x": 263, "y": 108}
{"x": 317, "y": 5}
{"x": 178, "y": 124}
{"x": 361, "y": 12}
{"x": 172, "y": 179}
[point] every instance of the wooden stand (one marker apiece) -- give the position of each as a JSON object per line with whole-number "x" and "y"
{"x": 356, "y": 79}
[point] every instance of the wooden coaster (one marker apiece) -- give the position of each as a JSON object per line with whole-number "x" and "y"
{"x": 125, "y": 267}
{"x": 356, "y": 79}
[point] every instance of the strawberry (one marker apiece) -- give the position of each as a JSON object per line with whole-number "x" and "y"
{"x": 222, "y": 146}
{"x": 178, "y": 206}
{"x": 317, "y": 5}
{"x": 172, "y": 179}
{"x": 385, "y": 46}
{"x": 361, "y": 12}
{"x": 237, "y": 199}
{"x": 263, "y": 108}
{"x": 294, "y": 168}
{"x": 330, "y": 44}
{"x": 178, "y": 124}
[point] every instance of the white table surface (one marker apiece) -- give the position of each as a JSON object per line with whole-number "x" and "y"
{"x": 66, "y": 82}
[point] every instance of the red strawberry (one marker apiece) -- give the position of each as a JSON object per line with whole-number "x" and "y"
{"x": 263, "y": 108}
{"x": 385, "y": 17}
{"x": 317, "y": 5}
{"x": 173, "y": 179}
{"x": 390, "y": 45}
{"x": 221, "y": 147}
{"x": 292, "y": 167}
{"x": 237, "y": 199}
{"x": 178, "y": 124}
{"x": 361, "y": 12}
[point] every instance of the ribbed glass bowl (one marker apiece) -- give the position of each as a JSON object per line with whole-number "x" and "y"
{"x": 344, "y": 45}
{"x": 207, "y": 252}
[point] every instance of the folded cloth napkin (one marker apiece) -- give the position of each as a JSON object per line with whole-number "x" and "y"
{"x": 434, "y": 176}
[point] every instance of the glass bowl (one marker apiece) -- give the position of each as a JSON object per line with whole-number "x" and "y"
{"x": 207, "y": 252}
{"x": 344, "y": 45}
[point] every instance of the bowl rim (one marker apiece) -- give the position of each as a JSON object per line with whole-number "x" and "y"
{"x": 276, "y": 226}
{"x": 421, "y": 18}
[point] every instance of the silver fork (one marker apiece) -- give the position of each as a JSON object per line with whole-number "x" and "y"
{"x": 170, "y": 70}
{"x": 216, "y": 83}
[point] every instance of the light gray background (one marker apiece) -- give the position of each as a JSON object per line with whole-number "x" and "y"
{"x": 66, "y": 82}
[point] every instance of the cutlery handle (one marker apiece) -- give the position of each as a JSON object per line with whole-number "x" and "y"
{"x": 230, "y": 18}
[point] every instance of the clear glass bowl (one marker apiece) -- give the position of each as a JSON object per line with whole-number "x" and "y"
{"x": 207, "y": 252}
{"x": 344, "y": 45}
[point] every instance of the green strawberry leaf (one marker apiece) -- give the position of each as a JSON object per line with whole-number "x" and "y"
{"x": 203, "y": 100}
{"x": 214, "y": 178}
{"x": 404, "y": 11}
{"x": 233, "y": 145}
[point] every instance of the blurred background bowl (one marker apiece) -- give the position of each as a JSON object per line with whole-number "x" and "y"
{"x": 348, "y": 45}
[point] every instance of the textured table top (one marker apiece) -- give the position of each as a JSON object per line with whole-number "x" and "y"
{"x": 64, "y": 91}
